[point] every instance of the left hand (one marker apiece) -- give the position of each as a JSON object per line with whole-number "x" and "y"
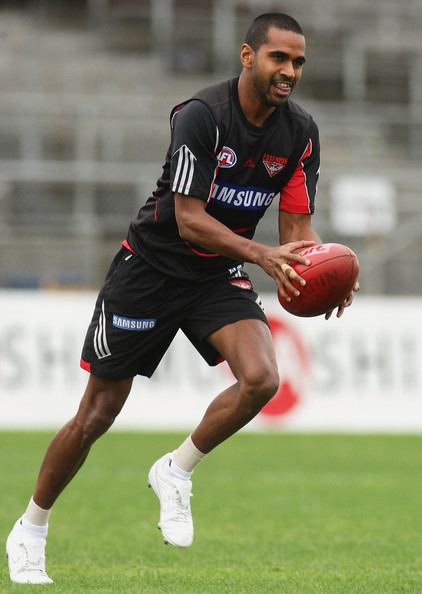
{"x": 346, "y": 303}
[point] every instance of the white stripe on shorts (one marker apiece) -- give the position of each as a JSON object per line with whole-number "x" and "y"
{"x": 100, "y": 337}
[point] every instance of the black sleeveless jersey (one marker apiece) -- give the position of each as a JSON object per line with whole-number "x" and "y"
{"x": 238, "y": 169}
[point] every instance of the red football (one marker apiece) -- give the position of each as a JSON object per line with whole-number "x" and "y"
{"x": 329, "y": 279}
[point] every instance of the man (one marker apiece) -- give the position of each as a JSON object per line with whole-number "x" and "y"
{"x": 235, "y": 147}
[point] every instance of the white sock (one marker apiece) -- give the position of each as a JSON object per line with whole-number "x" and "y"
{"x": 35, "y": 515}
{"x": 178, "y": 472}
{"x": 186, "y": 457}
{"x": 34, "y": 530}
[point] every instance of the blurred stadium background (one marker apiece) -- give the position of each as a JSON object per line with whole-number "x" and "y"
{"x": 86, "y": 89}
{"x": 85, "y": 94}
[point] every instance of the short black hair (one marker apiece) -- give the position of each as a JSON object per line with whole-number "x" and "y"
{"x": 256, "y": 35}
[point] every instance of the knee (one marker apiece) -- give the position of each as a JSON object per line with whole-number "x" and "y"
{"x": 95, "y": 420}
{"x": 260, "y": 385}
{"x": 99, "y": 421}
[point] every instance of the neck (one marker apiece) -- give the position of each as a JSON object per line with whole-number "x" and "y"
{"x": 253, "y": 109}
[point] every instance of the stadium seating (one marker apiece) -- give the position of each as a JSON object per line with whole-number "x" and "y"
{"x": 84, "y": 109}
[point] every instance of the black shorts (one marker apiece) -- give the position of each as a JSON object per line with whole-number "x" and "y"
{"x": 139, "y": 310}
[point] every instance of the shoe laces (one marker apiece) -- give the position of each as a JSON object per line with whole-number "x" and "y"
{"x": 35, "y": 559}
{"x": 179, "y": 498}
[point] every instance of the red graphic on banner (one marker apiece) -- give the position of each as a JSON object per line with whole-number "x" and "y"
{"x": 290, "y": 391}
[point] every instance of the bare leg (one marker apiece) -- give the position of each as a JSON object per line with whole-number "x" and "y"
{"x": 101, "y": 403}
{"x": 248, "y": 349}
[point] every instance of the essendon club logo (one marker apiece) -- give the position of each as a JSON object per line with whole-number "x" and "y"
{"x": 273, "y": 164}
{"x": 227, "y": 157}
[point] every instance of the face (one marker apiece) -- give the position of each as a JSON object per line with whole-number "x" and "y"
{"x": 276, "y": 67}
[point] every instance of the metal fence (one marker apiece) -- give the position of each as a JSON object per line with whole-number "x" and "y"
{"x": 84, "y": 107}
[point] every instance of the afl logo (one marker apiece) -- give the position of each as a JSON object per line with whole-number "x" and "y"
{"x": 226, "y": 157}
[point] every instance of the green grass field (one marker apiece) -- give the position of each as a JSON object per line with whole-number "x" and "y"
{"x": 286, "y": 514}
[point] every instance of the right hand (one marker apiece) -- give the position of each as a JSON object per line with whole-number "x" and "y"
{"x": 276, "y": 261}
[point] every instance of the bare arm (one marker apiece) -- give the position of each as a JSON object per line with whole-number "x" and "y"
{"x": 292, "y": 226}
{"x": 296, "y": 226}
{"x": 197, "y": 226}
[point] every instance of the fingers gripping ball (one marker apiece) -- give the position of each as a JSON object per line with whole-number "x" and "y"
{"x": 329, "y": 280}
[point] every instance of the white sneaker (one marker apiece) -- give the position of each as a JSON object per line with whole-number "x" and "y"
{"x": 174, "y": 494}
{"x": 26, "y": 557}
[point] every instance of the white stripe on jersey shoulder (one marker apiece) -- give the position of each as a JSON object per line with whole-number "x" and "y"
{"x": 184, "y": 170}
{"x": 177, "y": 110}
{"x": 217, "y": 138}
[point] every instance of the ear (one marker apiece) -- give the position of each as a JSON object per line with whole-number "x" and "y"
{"x": 247, "y": 55}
